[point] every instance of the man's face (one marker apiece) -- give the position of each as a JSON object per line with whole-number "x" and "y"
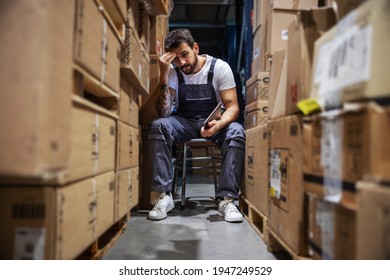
{"x": 186, "y": 58}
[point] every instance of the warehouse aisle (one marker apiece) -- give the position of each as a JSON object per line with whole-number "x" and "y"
{"x": 197, "y": 233}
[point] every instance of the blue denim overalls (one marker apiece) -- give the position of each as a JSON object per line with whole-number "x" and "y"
{"x": 196, "y": 102}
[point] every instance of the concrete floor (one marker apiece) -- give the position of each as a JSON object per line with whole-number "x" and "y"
{"x": 196, "y": 233}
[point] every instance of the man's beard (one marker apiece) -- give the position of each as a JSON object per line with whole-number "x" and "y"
{"x": 189, "y": 68}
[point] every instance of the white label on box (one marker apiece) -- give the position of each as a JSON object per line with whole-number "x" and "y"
{"x": 256, "y": 53}
{"x": 275, "y": 173}
{"x": 322, "y": 59}
{"x": 284, "y": 34}
{"x": 346, "y": 61}
{"x": 29, "y": 243}
{"x": 331, "y": 158}
{"x": 325, "y": 220}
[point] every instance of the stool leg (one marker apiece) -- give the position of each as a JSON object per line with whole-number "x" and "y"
{"x": 214, "y": 173}
{"x": 183, "y": 185}
{"x": 176, "y": 171}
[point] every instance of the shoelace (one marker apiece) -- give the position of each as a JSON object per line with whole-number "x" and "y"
{"x": 157, "y": 199}
{"x": 230, "y": 207}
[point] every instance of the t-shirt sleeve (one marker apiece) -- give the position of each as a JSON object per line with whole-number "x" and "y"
{"x": 172, "y": 78}
{"x": 224, "y": 75}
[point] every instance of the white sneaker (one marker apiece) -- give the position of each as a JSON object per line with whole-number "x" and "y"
{"x": 228, "y": 210}
{"x": 163, "y": 203}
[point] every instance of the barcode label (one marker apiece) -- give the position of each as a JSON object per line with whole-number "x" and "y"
{"x": 275, "y": 174}
{"x": 28, "y": 211}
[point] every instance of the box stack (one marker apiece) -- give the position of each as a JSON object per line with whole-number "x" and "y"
{"x": 346, "y": 157}
{"x": 327, "y": 169}
{"x": 72, "y": 73}
{"x": 274, "y": 136}
{"x": 158, "y": 20}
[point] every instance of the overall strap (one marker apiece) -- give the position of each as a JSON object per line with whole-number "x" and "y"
{"x": 211, "y": 71}
{"x": 179, "y": 76}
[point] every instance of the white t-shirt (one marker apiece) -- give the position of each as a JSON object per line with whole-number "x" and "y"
{"x": 223, "y": 77}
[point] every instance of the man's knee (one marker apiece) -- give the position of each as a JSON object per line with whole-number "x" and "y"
{"x": 235, "y": 131}
{"x": 159, "y": 130}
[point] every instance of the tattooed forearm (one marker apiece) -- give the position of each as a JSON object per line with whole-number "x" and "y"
{"x": 164, "y": 102}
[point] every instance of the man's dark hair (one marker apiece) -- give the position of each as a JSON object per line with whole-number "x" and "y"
{"x": 176, "y": 37}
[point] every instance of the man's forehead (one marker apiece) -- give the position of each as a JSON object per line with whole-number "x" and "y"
{"x": 183, "y": 47}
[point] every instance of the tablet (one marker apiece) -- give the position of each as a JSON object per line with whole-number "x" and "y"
{"x": 215, "y": 115}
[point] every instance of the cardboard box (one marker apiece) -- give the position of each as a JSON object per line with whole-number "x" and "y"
{"x": 373, "y": 221}
{"x": 332, "y": 230}
{"x": 351, "y": 61}
{"x": 343, "y": 147}
{"x": 154, "y": 77}
{"x": 287, "y": 216}
{"x": 135, "y": 64}
{"x": 116, "y": 10}
{"x": 55, "y": 222}
{"x": 256, "y": 114}
{"x": 36, "y": 81}
{"x": 144, "y": 27}
{"x": 145, "y": 172}
{"x": 127, "y": 154}
{"x": 259, "y": 14}
{"x": 132, "y": 14}
{"x": 256, "y": 189}
{"x": 122, "y": 193}
{"x": 270, "y": 5}
{"x": 128, "y": 111}
{"x": 258, "y": 53}
{"x": 96, "y": 47}
{"x": 308, "y": 26}
{"x": 144, "y": 70}
{"x": 257, "y": 87}
{"x": 158, "y": 32}
{"x": 148, "y": 111}
{"x": 278, "y": 86}
{"x": 277, "y": 32}
{"x": 344, "y": 7}
{"x": 93, "y": 138}
{"x": 135, "y": 188}
{"x": 158, "y": 7}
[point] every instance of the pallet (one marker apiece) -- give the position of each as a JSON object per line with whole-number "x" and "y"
{"x": 105, "y": 242}
{"x": 276, "y": 245}
{"x": 256, "y": 218}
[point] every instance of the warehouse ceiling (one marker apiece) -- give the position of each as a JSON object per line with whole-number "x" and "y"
{"x": 207, "y": 21}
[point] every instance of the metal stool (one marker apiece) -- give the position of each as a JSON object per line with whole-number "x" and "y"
{"x": 180, "y": 163}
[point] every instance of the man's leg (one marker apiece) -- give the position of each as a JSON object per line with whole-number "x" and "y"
{"x": 232, "y": 142}
{"x": 163, "y": 134}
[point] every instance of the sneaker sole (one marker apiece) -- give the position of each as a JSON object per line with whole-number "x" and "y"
{"x": 235, "y": 220}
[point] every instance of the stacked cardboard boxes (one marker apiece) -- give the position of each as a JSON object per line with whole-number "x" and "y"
{"x": 69, "y": 165}
{"x": 346, "y": 160}
{"x": 274, "y": 181}
{"x": 327, "y": 170}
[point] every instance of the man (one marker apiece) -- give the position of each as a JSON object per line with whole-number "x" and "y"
{"x": 195, "y": 84}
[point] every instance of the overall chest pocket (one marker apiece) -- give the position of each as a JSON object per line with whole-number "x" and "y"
{"x": 198, "y": 92}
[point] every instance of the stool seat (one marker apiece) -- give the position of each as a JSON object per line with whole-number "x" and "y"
{"x": 181, "y": 160}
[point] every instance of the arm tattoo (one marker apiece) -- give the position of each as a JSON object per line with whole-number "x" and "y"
{"x": 164, "y": 102}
